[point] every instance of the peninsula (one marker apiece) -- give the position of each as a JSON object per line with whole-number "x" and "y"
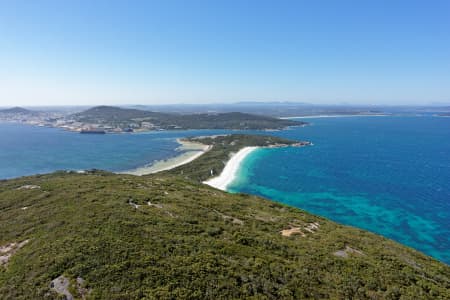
{"x": 110, "y": 119}
{"x": 190, "y": 151}
{"x": 223, "y": 149}
{"x": 114, "y": 119}
{"x": 98, "y": 235}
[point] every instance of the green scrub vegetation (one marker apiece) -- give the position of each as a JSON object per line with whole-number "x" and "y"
{"x": 167, "y": 236}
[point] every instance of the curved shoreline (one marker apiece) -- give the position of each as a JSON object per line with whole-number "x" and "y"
{"x": 231, "y": 169}
{"x": 193, "y": 151}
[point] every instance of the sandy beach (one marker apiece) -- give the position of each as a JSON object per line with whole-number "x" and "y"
{"x": 230, "y": 171}
{"x": 192, "y": 151}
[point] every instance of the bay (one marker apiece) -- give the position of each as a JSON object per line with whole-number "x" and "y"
{"x": 389, "y": 175}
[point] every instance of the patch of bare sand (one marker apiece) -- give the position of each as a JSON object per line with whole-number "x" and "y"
{"x": 300, "y": 229}
{"x": 292, "y": 231}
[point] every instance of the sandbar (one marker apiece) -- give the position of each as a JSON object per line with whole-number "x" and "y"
{"x": 231, "y": 169}
{"x": 192, "y": 151}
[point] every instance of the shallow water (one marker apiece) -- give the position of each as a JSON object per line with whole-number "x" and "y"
{"x": 390, "y": 175}
{"x": 27, "y": 150}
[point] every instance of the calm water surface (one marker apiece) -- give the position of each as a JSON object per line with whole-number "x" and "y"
{"x": 390, "y": 175}
{"x": 27, "y": 150}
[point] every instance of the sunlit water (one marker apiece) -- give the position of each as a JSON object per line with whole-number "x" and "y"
{"x": 390, "y": 175}
{"x": 27, "y": 150}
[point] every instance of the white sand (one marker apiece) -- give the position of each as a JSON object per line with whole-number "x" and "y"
{"x": 230, "y": 171}
{"x": 195, "y": 150}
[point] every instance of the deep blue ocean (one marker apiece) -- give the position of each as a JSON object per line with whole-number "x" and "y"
{"x": 389, "y": 175}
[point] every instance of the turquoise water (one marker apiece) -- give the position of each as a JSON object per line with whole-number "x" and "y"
{"x": 389, "y": 175}
{"x": 27, "y": 150}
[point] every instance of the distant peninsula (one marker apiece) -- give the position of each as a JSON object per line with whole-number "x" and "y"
{"x": 113, "y": 119}
{"x": 110, "y": 119}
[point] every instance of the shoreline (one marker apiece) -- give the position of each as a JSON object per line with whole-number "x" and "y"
{"x": 335, "y": 116}
{"x": 231, "y": 169}
{"x": 192, "y": 152}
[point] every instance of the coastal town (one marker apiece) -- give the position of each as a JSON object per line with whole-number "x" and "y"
{"x": 68, "y": 121}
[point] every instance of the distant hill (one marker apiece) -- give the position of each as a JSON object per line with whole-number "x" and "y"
{"x": 273, "y": 109}
{"x": 99, "y": 235}
{"x": 17, "y": 110}
{"x": 114, "y": 114}
{"x": 122, "y": 117}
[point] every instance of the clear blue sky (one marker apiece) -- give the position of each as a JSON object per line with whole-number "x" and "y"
{"x": 146, "y": 52}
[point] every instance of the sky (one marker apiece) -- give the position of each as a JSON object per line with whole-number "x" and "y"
{"x": 211, "y": 51}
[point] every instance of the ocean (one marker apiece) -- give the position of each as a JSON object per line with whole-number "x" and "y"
{"x": 389, "y": 175}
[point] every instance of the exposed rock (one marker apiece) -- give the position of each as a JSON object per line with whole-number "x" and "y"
{"x": 266, "y": 218}
{"x": 7, "y": 251}
{"x": 311, "y": 227}
{"x": 29, "y": 187}
{"x": 233, "y": 220}
{"x": 61, "y": 286}
{"x": 154, "y": 204}
{"x": 347, "y": 251}
{"x": 297, "y": 229}
{"x": 81, "y": 288}
{"x": 133, "y": 204}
